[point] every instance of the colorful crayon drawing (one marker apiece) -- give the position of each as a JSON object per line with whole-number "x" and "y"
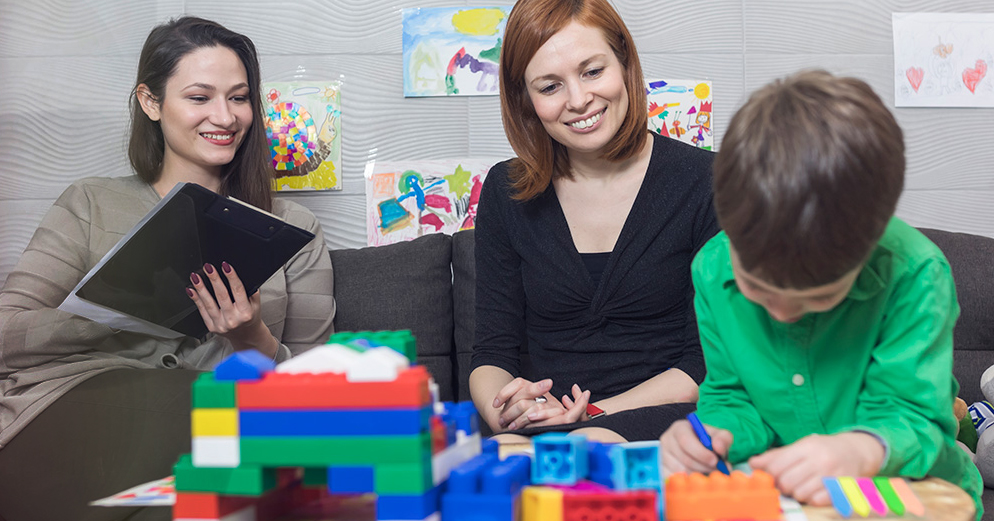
{"x": 304, "y": 129}
{"x": 406, "y": 200}
{"x": 682, "y": 109}
{"x": 452, "y": 51}
{"x": 943, "y": 59}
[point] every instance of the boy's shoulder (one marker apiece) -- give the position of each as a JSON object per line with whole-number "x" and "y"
{"x": 907, "y": 245}
{"x": 712, "y": 265}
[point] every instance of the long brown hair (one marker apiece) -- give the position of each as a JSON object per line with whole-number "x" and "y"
{"x": 530, "y": 24}
{"x": 247, "y": 176}
{"x": 808, "y": 176}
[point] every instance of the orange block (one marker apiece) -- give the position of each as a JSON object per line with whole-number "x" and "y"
{"x": 333, "y": 391}
{"x": 717, "y": 496}
{"x": 207, "y": 505}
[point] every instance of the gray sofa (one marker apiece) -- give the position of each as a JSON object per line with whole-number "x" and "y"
{"x": 428, "y": 286}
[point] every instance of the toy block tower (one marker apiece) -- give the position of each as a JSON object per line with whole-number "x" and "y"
{"x": 351, "y": 417}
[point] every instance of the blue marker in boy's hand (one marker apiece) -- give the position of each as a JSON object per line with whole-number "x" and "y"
{"x": 702, "y": 434}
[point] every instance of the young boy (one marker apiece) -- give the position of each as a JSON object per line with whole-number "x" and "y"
{"x": 826, "y": 323}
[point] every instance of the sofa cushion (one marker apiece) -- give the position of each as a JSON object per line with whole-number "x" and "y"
{"x": 971, "y": 258}
{"x": 401, "y": 286}
{"x": 463, "y": 307}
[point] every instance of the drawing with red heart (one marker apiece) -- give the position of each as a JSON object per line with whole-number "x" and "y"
{"x": 971, "y": 77}
{"x": 915, "y": 75}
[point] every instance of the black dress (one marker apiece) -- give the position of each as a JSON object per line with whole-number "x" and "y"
{"x": 534, "y": 289}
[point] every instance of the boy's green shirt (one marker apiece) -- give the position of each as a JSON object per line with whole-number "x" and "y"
{"x": 881, "y": 361}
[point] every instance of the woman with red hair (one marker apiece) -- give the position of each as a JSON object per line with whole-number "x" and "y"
{"x": 584, "y": 240}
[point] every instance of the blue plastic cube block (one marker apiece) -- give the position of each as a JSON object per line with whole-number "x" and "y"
{"x": 468, "y": 477}
{"x": 599, "y": 463}
{"x": 490, "y": 446}
{"x": 636, "y": 465}
{"x": 465, "y": 417}
{"x": 560, "y": 459}
{"x": 478, "y": 507}
{"x": 417, "y": 506}
{"x": 485, "y": 488}
{"x": 351, "y": 480}
{"x": 244, "y": 365}
{"x": 334, "y": 422}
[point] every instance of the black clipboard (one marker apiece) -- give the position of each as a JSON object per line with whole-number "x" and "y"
{"x": 140, "y": 285}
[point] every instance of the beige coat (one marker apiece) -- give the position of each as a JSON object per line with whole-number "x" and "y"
{"x": 44, "y": 352}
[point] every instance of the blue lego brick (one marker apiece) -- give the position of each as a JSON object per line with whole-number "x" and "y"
{"x": 333, "y": 422}
{"x": 599, "y": 463}
{"x": 635, "y": 466}
{"x": 560, "y": 459}
{"x": 478, "y": 507}
{"x": 465, "y": 417}
{"x": 490, "y": 446}
{"x": 417, "y": 506}
{"x": 468, "y": 477}
{"x": 351, "y": 480}
{"x": 485, "y": 488}
{"x": 244, "y": 365}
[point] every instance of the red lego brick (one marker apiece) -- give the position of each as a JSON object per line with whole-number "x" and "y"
{"x": 695, "y": 496}
{"x": 333, "y": 391}
{"x": 207, "y": 505}
{"x": 439, "y": 438}
{"x": 632, "y": 505}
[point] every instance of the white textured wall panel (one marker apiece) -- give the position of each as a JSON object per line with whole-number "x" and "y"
{"x": 684, "y": 27}
{"x": 957, "y": 210}
{"x": 343, "y": 217}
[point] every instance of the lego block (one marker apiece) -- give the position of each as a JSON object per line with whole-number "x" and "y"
{"x": 635, "y": 466}
{"x": 216, "y": 451}
{"x": 351, "y": 480}
{"x": 214, "y": 422}
{"x": 209, "y": 393}
{"x": 315, "y": 476}
{"x": 404, "y": 478}
{"x": 315, "y": 451}
{"x": 330, "y": 358}
{"x": 486, "y": 488}
{"x": 439, "y": 439}
{"x": 377, "y": 364}
{"x": 599, "y": 467}
{"x": 244, "y": 366}
{"x": 414, "y": 506}
{"x": 348, "y": 422}
{"x": 246, "y": 514}
{"x": 720, "y": 496}
{"x": 455, "y": 455}
{"x": 244, "y": 480}
{"x": 559, "y": 459}
{"x": 401, "y": 341}
{"x": 465, "y": 417}
{"x": 331, "y": 391}
{"x": 490, "y": 446}
{"x": 208, "y": 505}
{"x": 478, "y": 507}
{"x": 631, "y": 505}
{"x": 541, "y": 504}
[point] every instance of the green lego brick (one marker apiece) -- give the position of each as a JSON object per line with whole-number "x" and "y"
{"x": 401, "y": 341}
{"x": 316, "y": 476}
{"x": 244, "y": 480}
{"x": 210, "y": 393}
{"x": 327, "y": 451}
{"x": 403, "y": 478}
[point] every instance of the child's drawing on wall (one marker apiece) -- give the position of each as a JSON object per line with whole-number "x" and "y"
{"x": 942, "y": 59}
{"x": 407, "y": 200}
{"x": 452, "y": 51}
{"x": 304, "y": 127}
{"x": 682, "y": 109}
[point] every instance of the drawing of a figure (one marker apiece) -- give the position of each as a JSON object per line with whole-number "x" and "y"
{"x": 411, "y": 185}
{"x": 703, "y": 126}
{"x": 677, "y": 130}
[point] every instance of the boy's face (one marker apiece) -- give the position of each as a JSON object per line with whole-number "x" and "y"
{"x": 790, "y": 305}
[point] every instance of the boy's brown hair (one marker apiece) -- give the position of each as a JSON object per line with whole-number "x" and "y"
{"x": 807, "y": 178}
{"x": 530, "y": 24}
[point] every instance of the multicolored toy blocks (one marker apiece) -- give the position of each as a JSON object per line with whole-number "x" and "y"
{"x": 881, "y": 495}
{"x": 719, "y": 496}
{"x": 351, "y": 417}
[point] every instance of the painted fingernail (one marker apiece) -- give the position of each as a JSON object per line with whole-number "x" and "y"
{"x": 209, "y": 269}
{"x": 190, "y": 292}
{"x": 226, "y": 267}
{"x": 194, "y": 278}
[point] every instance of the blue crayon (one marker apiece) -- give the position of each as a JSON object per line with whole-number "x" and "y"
{"x": 702, "y": 434}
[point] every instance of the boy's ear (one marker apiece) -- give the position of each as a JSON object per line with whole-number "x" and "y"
{"x": 150, "y": 105}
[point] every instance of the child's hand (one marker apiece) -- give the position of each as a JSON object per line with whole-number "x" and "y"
{"x": 799, "y": 467}
{"x": 684, "y": 452}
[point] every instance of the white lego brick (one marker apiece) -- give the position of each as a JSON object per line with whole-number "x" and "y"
{"x": 330, "y": 358}
{"x": 377, "y": 364}
{"x": 453, "y": 456}
{"x": 216, "y": 451}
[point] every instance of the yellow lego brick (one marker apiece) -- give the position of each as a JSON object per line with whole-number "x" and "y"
{"x": 541, "y": 504}
{"x": 215, "y": 422}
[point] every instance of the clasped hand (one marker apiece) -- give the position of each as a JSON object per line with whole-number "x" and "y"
{"x": 528, "y": 404}
{"x": 797, "y": 468}
{"x": 235, "y": 316}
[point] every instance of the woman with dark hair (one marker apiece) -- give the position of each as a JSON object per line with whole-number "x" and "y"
{"x": 584, "y": 241}
{"x": 87, "y": 410}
